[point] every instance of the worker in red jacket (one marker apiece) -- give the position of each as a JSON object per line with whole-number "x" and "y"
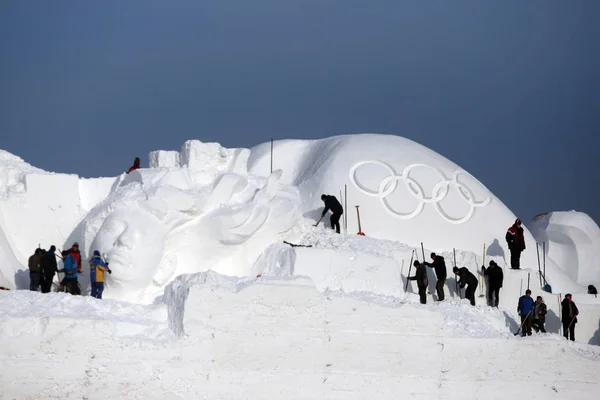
{"x": 516, "y": 243}
{"x": 136, "y": 165}
{"x": 76, "y": 255}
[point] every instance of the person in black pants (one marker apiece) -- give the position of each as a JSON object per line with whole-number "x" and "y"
{"x": 467, "y": 278}
{"x": 539, "y": 315}
{"x": 49, "y": 268}
{"x": 331, "y": 203}
{"x": 569, "y": 316}
{"x": 439, "y": 265}
{"x": 495, "y": 280}
{"x": 516, "y": 243}
{"x": 421, "y": 278}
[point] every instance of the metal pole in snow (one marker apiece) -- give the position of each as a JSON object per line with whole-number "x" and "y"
{"x": 537, "y": 248}
{"x": 544, "y": 254}
{"x": 271, "y": 155}
{"x": 346, "y": 209}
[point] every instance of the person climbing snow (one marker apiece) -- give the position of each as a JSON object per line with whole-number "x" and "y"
{"x": 439, "y": 265}
{"x": 136, "y": 165}
{"x": 332, "y": 203}
{"x": 516, "y": 243}
{"x": 49, "y": 268}
{"x": 569, "y": 316}
{"x": 97, "y": 269}
{"x": 70, "y": 271}
{"x": 495, "y": 279}
{"x": 35, "y": 270}
{"x": 467, "y": 278}
{"x": 539, "y": 315}
{"x": 592, "y": 290}
{"x": 525, "y": 309}
{"x": 421, "y": 278}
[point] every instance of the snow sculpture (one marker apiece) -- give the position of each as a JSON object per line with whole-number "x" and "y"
{"x": 573, "y": 242}
{"x": 161, "y": 223}
{"x": 441, "y": 189}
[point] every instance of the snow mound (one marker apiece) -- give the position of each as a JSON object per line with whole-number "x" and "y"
{"x": 573, "y": 242}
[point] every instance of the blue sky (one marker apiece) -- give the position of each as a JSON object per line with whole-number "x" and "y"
{"x": 509, "y": 90}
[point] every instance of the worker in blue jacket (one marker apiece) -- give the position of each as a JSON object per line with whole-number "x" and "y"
{"x": 97, "y": 269}
{"x": 525, "y": 309}
{"x": 70, "y": 271}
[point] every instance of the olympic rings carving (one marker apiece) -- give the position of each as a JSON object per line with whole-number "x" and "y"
{"x": 441, "y": 189}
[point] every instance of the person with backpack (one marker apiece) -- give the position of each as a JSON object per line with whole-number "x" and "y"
{"x": 525, "y": 309}
{"x": 516, "y": 243}
{"x": 539, "y": 315}
{"x": 97, "y": 269}
{"x": 421, "y": 278}
{"x": 35, "y": 270}
{"x": 136, "y": 165}
{"x": 70, "y": 271}
{"x": 49, "y": 268}
{"x": 439, "y": 266}
{"x": 569, "y": 316}
{"x": 495, "y": 280}
{"x": 332, "y": 203}
{"x": 468, "y": 279}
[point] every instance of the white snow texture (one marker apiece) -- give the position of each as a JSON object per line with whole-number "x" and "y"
{"x": 205, "y": 299}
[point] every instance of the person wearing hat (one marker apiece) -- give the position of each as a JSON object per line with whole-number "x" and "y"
{"x": 516, "y": 243}
{"x": 467, "y": 278}
{"x": 439, "y": 266}
{"x": 421, "y": 278}
{"x": 539, "y": 315}
{"x": 525, "y": 308}
{"x": 97, "y": 269}
{"x": 332, "y": 203}
{"x": 49, "y": 268}
{"x": 76, "y": 255}
{"x": 70, "y": 271}
{"x": 495, "y": 279}
{"x": 569, "y": 316}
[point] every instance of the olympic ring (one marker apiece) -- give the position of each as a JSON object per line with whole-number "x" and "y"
{"x": 440, "y": 190}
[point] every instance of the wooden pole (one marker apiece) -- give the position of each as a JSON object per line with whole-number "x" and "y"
{"x": 409, "y": 268}
{"x": 537, "y": 248}
{"x": 544, "y": 254}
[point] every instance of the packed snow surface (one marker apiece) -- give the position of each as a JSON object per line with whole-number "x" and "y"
{"x": 222, "y": 287}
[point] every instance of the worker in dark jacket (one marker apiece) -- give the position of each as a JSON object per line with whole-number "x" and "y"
{"x": 525, "y": 309}
{"x": 331, "y": 203}
{"x": 136, "y": 165}
{"x": 467, "y": 278}
{"x": 539, "y": 315}
{"x": 495, "y": 280}
{"x": 49, "y": 268}
{"x": 569, "y": 316}
{"x": 421, "y": 278}
{"x": 439, "y": 266}
{"x": 35, "y": 270}
{"x": 516, "y": 243}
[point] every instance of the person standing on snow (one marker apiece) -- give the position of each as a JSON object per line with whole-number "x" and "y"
{"x": 70, "y": 271}
{"x": 439, "y": 265}
{"x": 76, "y": 255}
{"x": 467, "y": 278}
{"x": 539, "y": 315}
{"x": 136, "y": 165}
{"x": 525, "y": 308}
{"x": 421, "y": 278}
{"x": 35, "y": 271}
{"x": 569, "y": 316}
{"x": 97, "y": 269}
{"x": 49, "y": 268}
{"x": 495, "y": 279}
{"x": 516, "y": 243}
{"x": 332, "y": 203}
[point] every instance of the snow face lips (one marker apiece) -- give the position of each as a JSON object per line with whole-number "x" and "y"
{"x": 440, "y": 190}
